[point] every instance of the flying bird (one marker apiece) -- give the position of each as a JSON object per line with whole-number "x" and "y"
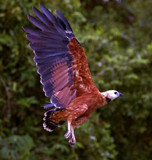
{"x": 64, "y": 73}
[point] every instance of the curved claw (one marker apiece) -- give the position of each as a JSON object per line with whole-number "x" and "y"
{"x": 72, "y": 141}
{"x": 67, "y": 135}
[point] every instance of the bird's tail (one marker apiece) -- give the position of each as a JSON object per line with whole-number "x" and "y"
{"x": 48, "y": 124}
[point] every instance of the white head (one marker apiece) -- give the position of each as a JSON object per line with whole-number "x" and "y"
{"x": 111, "y": 95}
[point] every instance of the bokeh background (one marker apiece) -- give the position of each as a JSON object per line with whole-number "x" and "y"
{"x": 117, "y": 38}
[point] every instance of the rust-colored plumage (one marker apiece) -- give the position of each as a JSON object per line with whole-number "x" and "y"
{"x": 64, "y": 73}
{"x": 84, "y": 104}
{"x": 82, "y": 81}
{"x": 82, "y": 77}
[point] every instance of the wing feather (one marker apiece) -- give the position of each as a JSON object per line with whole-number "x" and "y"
{"x": 60, "y": 59}
{"x": 42, "y": 17}
{"x": 37, "y": 23}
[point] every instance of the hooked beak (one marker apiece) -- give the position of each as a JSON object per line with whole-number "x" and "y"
{"x": 120, "y": 94}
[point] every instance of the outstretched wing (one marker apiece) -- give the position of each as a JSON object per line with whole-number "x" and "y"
{"x": 60, "y": 59}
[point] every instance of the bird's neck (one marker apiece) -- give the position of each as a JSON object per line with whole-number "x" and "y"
{"x": 102, "y": 101}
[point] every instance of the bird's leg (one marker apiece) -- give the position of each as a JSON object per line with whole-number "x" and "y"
{"x": 79, "y": 111}
{"x": 72, "y": 141}
{"x": 74, "y": 124}
{"x": 68, "y": 133}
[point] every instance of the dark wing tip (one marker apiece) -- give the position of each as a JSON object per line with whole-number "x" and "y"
{"x": 41, "y": 6}
{"x": 64, "y": 20}
{"x": 29, "y": 17}
{"x": 34, "y": 9}
{"x": 24, "y": 28}
{"x": 58, "y": 12}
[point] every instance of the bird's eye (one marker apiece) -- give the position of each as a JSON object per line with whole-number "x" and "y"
{"x": 115, "y": 92}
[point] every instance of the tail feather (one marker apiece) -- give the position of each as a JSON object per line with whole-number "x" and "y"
{"x": 48, "y": 124}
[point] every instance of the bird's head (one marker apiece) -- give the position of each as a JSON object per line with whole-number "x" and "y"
{"x": 111, "y": 95}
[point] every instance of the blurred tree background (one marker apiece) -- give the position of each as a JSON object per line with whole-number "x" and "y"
{"x": 116, "y": 36}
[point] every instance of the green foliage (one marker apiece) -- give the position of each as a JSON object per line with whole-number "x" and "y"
{"x": 16, "y": 147}
{"x": 116, "y": 36}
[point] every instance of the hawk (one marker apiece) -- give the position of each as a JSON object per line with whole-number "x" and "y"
{"x": 64, "y": 73}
